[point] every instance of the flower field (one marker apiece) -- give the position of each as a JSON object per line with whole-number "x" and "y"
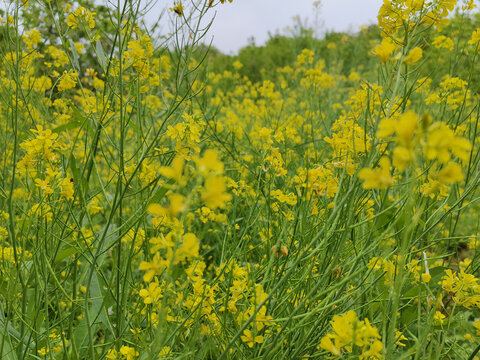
{"x": 306, "y": 199}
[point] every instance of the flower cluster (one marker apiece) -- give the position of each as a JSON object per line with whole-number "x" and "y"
{"x": 349, "y": 333}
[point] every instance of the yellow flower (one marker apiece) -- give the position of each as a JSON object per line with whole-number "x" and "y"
{"x": 442, "y": 141}
{"x": 44, "y": 186}
{"x": 464, "y": 286}
{"x": 475, "y": 40}
{"x": 177, "y": 204}
{"x": 174, "y": 171}
{"x": 406, "y": 126}
{"x": 153, "y": 294}
{"x": 188, "y": 249}
{"x": 378, "y": 178}
{"x": 386, "y": 127}
{"x": 413, "y": 56}
{"x": 156, "y": 210}
{"x": 442, "y": 41}
{"x": 60, "y": 57}
{"x": 439, "y": 317}
{"x": 426, "y": 277}
{"x": 215, "y": 195}
{"x": 177, "y": 9}
{"x": 400, "y": 337}
{"x": 348, "y": 331}
{"x": 237, "y": 65}
{"x": 476, "y": 325}
{"x": 402, "y": 157}
{"x": 469, "y": 5}
{"x": 32, "y": 38}
{"x": 154, "y": 267}
{"x": 81, "y": 14}
{"x": 449, "y": 174}
{"x": 327, "y": 344}
{"x": 67, "y": 81}
{"x": 66, "y": 188}
{"x": 209, "y": 163}
{"x": 138, "y": 54}
{"x": 79, "y": 47}
{"x": 385, "y": 50}
{"x": 166, "y": 350}
{"x": 249, "y": 339}
{"x": 129, "y": 353}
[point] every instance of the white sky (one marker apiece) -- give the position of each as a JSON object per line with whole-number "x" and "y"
{"x": 241, "y": 19}
{"x": 236, "y": 22}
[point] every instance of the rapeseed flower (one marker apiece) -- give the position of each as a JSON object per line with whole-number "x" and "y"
{"x": 349, "y": 332}
{"x": 413, "y": 56}
{"x": 385, "y": 50}
{"x": 377, "y": 178}
{"x": 251, "y": 340}
{"x": 81, "y": 15}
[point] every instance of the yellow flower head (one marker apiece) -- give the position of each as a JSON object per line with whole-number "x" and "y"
{"x": 177, "y": 9}
{"x": 81, "y": 15}
{"x": 377, "y": 178}
{"x": 385, "y": 49}
{"x": 413, "y": 56}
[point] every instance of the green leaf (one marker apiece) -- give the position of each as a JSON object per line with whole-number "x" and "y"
{"x": 437, "y": 273}
{"x": 75, "y": 56}
{"x": 73, "y": 167}
{"x": 409, "y": 315}
{"x": 63, "y": 254}
{"x": 96, "y": 313}
{"x": 160, "y": 193}
{"x": 101, "y": 55}
{"x": 68, "y": 126}
{"x": 7, "y": 332}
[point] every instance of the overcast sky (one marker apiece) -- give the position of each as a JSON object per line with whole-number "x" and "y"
{"x": 236, "y": 22}
{"x": 241, "y": 19}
